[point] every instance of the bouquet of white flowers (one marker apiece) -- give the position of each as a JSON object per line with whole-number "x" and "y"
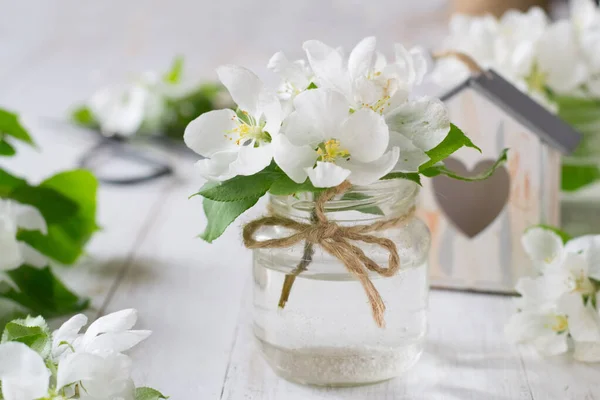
{"x": 67, "y": 364}
{"x": 558, "y": 309}
{"x": 556, "y": 63}
{"x": 333, "y": 119}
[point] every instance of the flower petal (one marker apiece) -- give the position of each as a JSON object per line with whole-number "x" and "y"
{"x": 243, "y": 85}
{"x": 115, "y": 322}
{"x": 10, "y": 249}
{"x": 360, "y": 60}
{"x": 543, "y": 246}
{"x": 68, "y": 332}
{"x": 584, "y": 321}
{"x": 293, "y": 160}
{"x": 31, "y": 256}
{"x": 23, "y": 374}
{"x": 208, "y": 134}
{"x": 326, "y": 110}
{"x": 293, "y": 72}
{"x": 327, "y": 174}
{"x": 117, "y": 341}
{"x": 367, "y": 173}
{"x": 252, "y": 159}
{"x": 589, "y": 247}
{"x": 411, "y": 157}
{"x": 424, "y": 121}
{"x": 218, "y": 167}
{"x": 300, "y": 130}
{"x": 270, "y": 108}
{"x": 97, "y": 372}
{"x": 328, "y": 66}
{"x": 542, "y": 292}
{"x": 365, "y": 126}
{"x": 30, "y": 218}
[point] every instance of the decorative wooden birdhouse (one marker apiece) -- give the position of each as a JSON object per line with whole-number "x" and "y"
{"x": 477, "y": 226}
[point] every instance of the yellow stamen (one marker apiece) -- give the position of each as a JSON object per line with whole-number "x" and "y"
{"x": 330, "y": 151}
{"x": 560, "y": 323}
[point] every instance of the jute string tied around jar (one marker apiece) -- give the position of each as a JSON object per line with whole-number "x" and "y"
{"x": 336, "y": 240}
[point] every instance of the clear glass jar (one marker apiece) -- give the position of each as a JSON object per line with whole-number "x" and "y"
{"x": 326, "y": 334}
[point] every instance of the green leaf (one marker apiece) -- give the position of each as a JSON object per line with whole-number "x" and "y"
{"x": 415, "y": 177}
{"x": 284, "y": 186}
{"x": 366, "y": 209}
{"x": 146, "y": 393}
{"x": 563, "y": 235}
{"x": 41, "y": 292}
{"x": 175, "y": 73}
{"x": 6, "y": 149}
{"x": 84, "y": 116}
{"x": 33, "y": 332}
{"x": 68, "y": 235}
{"x": 312, "y": 86}
{"x": 221, "y": 214}
{"x": 9, "y": 182}
{"x": 442, "y": 170}
{"x": 574, "y": 177}
{"x": 242, "y": 187}
{"x": 455, "y": 140}
{"x": 10, "y": 125}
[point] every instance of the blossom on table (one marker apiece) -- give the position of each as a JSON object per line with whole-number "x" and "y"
{"x": 13, "y": 217}
{"x": 237, "y": 143}
{"x": 559, "y": 306}
{"x": 69, "y": 364}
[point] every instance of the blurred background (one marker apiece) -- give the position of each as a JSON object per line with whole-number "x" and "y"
{"x": 55, "y": 53}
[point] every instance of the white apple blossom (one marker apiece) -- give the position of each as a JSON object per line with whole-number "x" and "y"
{"x": 548, "y": 328}
{"x": 233, "y": 144}
{"x": 559, "y": 306}
{"x": 110, "y": 333}
{"x": 70, "y": 364}
{"x": 13, "y": 253}
{"x": 324, "y": 141}
{"x": 23, "y": 373}
{"x": 366, "y": 78}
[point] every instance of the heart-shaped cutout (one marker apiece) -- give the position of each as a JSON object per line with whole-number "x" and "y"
{"x": 472, "y": 206}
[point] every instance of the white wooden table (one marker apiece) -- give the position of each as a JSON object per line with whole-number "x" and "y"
{"x": 195, "y": 296}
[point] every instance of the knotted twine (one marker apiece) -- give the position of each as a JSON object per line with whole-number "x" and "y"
{"x": 335, "y": 240}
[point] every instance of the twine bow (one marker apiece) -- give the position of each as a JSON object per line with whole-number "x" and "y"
{"x": 335, "y": 240}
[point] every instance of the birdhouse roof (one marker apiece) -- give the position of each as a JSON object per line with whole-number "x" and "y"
{"x": 550, "y": 128}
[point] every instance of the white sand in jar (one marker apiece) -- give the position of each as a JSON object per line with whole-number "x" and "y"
{"x": 331, "y": 366}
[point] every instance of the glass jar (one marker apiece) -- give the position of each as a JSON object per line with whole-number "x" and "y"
{"x": 326, "y": 334}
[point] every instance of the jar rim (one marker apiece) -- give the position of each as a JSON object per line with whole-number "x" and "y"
{"x": 398, "y": 191}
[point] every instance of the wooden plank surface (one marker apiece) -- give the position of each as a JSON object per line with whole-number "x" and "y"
{"x": 195, "y": 296}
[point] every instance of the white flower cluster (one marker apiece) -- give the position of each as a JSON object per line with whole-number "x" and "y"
{"x": 333, "y": 118}
{"x": 533, "y": 53}
{"x": 69, "y": 364}
{"x": 15, "y": 216}
{"x": 559, "y": 308}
